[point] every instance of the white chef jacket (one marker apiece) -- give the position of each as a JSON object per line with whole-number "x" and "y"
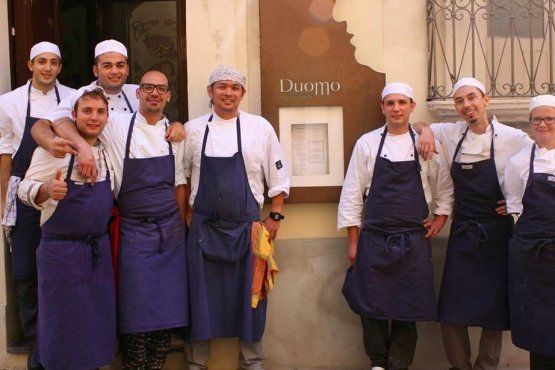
{"x": 517, "y": 170}
{"x": 262, "y": 152}
{"x": 436, "y": 180}
{"x": 148, "y": 141}
{"x": 116, "y": 102}
{"x": 43, "y": 168}
{"x": 507, "y": 142}
{"x": 13, "y": 111}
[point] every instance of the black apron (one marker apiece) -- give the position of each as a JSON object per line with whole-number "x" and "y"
{"x": 77, "y": 304}
{"x": 532, "y": 266}
{"x": 392, "y": 276}
{"x": 219, "y": 251}
{"x": 25, "y": 235}
{"x": 152, "y": 290}
{"x": 474, "y": 286}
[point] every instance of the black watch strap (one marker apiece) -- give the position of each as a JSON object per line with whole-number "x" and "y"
{"x": 276, "y": 216}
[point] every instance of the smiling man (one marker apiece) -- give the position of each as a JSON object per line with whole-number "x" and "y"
{"x": 77, "y": 308}
{"x": 149, "y": 186}
{"x": 390, "y": 283}
{"x": 19, "y": 110}
{"x": 229, "y": 156}
{"x": 474, "y": 286}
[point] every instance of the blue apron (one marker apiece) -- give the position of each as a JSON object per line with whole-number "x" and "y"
{"x": 532, "y": 266}
{"x": 392, "y": 276}
{"x": 77, "y": 304}
{"x": 474, "y": 286}
{"x": 25, "y": 235}
{"x": 219, "y": 251}
{"x": 153, "y": 292}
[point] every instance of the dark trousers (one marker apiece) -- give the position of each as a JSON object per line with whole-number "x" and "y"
{"x": 541, "y": 362}
{"x": 391, "y": 347}
{"x": 27, "y": 300}
{"x": 145, "y": 351}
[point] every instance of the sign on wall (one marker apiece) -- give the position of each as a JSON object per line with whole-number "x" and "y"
{"x": 317, "y": 96}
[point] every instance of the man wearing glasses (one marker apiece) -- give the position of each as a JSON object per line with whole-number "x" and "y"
{"x": 150, "y": 189}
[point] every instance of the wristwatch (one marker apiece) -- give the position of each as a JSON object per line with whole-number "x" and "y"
{"x": 276, "y": 216}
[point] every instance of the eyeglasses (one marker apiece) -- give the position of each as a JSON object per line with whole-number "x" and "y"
{"x": 538, "y": 120}
{"x": 148, "y": 88}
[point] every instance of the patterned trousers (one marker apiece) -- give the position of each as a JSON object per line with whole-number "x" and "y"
{"x": 145, "y": 351}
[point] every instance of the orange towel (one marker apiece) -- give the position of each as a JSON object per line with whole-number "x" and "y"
{"x": 265, "y": 268}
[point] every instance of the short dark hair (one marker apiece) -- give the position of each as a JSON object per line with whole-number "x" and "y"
{"x": 96, "y": 93}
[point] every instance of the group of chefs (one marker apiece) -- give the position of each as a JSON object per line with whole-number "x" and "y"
{"x": 498, "y": 274}
{"x": 188, "y": 198}
{"x": 107, "y": 154}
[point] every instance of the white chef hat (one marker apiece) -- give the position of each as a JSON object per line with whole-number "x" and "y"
{"x": 108, "y": 46}
{"x": 397, "y": 88}
{"x": 44, "y": 47}
{"x": 542, "y": 100}
{"x": 227, "y": 73}
{"x": 469, "y": 81}
{"x": 77, "y": 94}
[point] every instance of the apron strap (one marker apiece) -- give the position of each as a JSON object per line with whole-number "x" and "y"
{"x": 238, "y": 123}
{"x": 70, "y": 167}
{"x": 129, "y": 134}
{"x": 416, "y": 157}
{"x": 29, "y": 98}
{"x": 127, "y": 101}
{"x": 531, "y": 170}
{"x": 57, "y": 94}
{"x": 491, "y": 149}
{"x": 382, "y": 141}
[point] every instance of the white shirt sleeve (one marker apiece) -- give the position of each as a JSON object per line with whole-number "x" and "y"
{"x": 275, "y": 167}
{"x": 63, "y": 110}
{"x": 516, "y": 175}
{"x": 443, "y": 184}
{"x": 179, "y": 149}
{"x": 6, "y": 132}
{"x": 351, "y": 202}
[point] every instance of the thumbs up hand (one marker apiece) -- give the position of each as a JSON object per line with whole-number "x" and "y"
{"x": 56, "y": 187}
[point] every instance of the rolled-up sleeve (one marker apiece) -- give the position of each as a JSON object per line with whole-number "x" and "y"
{"x": 275, "y": 168}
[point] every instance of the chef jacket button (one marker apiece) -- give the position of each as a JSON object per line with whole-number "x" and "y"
{"x": 119, "y": 96}
{"x": 124, "y": 108}
{"x": 112, "y": 108}
{"x": 108, "y": 98}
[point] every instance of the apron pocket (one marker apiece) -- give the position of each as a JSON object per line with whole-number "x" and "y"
{"x": 223, "y": 240}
